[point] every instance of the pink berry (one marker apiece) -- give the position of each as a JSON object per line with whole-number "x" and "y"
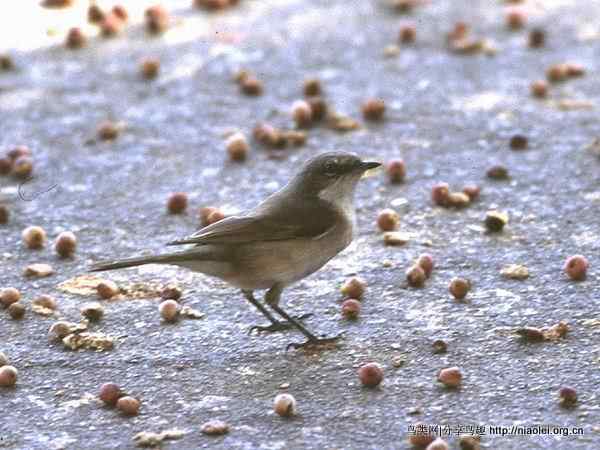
{"x": 370, "y": 374}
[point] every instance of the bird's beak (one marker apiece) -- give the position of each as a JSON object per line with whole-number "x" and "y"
{"x": 367, "y": 165}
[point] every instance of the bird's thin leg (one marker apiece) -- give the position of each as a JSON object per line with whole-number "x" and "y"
{"x": 276, "y": 325}
{"x": 272, "y": 298}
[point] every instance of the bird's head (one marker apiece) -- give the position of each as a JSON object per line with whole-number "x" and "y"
{"x": 332, "y": 176}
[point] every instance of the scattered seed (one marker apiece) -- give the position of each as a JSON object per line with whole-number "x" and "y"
{"x": 497, "y": 173}
{"x": 214, "y": 428}
{"x": 16, "y": 310}
{"x": 576, "y": 267}
{"x": 421, "y": 437}
{"x": 95, "y": 14}
{"x": 395, "y": 238}
{"x": 301, "y": 113}
{"x": 440, "y": 194}
{"x": 415, "y": 276}
{"x": 92, "y": 311}
{"x": 23, "y": 167}
{"x": 4, "y": 215}
{"x": 407, "y": 34}
{"x": 370, "y": 374}
{"x": 169, "y": 310}
{"x": 439, "y": 347}
{"x": 285, "y": 405}
{"x": 110, "y": 393}
{"x": 469, "y": 442}
{"x": 3, "y": 359}
{"x": 120, "y": 12}
{"x": 318, "y": 108}
{"x": 515, "y": 272}
{"x": 459, "y": 288}
{"x": 388, "y": 220}
{"x": 171, "y": 292}
{"x": 110, "y": 26}
{"x": 518, "y": 142}
{"x": 531, "y": 334}
{"x": 557, "y": 73}
{"x": 5, "y": 166}
{"x": 354, "y": 288}
{"x": 38, "y": 270}
{"x": 495, "y": 221}
{"x": 107, "y": 289}
{"x": 177, "y": 203}
{"x": 75, "y": 38}
{"x": 237, "y": 147}
{"x": 438, "y": 444}
{"x": 515, "y": 18}
{"x": 537, "y": 38}
{"x": 149, "y": 68}
{"x": 129, "y": 406}
{"x": 65, "y": 244}
{"x": 567, "y": 396}
{"x": 539, "y": 89}
{"x": 458, "y": 200}
{"x": 205, "y": 213}
{"x": 396, "y": 170}
{"x": 373, "y": 109}
{"x": 351, "y": 309}
{"x": 8, "y": 296}
{"x": 6, "y": 63}
{"x": 312, "y": 88}
{"x": 251, "y": 86}
{"x": 157, "y": 19}
{"x": 107, "y": 131}
{"x": 45, "y": 301}
{"x": 450, "y": 377}
{"x": 8, "y": 376}
{"x": 425, "y": 262}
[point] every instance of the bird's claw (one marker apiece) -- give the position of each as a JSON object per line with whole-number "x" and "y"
{"x": 314, "y": 343}
{"x": 277, "y": 326}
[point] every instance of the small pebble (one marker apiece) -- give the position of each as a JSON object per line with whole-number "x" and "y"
{"x": 407, "y": 34}
{"x": 38, "y": 270}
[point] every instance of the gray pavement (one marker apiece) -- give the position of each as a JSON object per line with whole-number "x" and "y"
{"x": 450, "y": 117}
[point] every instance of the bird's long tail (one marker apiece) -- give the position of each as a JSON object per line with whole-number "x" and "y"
{"x": 168, "y": 258}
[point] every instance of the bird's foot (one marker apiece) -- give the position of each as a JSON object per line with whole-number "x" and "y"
{"x": 312, "y": 344}
{"x": 278, "y": 326}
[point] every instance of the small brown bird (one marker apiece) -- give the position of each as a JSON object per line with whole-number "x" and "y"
{"x": 288, "y": 236}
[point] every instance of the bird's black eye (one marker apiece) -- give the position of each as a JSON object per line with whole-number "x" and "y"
{"x": 331, "y": 168}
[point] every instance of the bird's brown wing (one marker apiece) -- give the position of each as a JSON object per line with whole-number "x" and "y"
{"x": 291, "y": 222}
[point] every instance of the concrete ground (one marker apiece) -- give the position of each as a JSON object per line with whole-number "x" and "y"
{"x": 450, "y": 117}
